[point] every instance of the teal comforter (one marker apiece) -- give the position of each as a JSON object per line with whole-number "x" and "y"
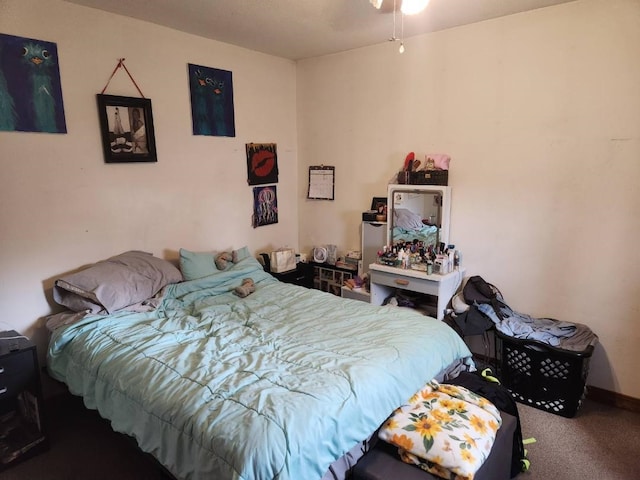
{"x": 277, "y": 385}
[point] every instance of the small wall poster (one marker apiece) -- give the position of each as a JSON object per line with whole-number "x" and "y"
{"x": 30, "y": 90}
{"x": 262, "y": 163}
{"x": 211, "y": 101}
{"x": 265, "y": 206}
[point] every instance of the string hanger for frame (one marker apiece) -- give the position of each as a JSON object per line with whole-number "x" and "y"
{"x": 118, "y": 66}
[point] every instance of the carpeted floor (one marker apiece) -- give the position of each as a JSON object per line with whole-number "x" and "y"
{"x": 601, "y": 443}
{"x": 83, "y": 447}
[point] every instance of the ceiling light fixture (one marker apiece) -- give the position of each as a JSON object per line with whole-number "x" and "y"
{"x": 407, "y": 7}
{"x": 411, "y": 7}
{"x": 393, "y": 37}
{"x": 401, "y": 49}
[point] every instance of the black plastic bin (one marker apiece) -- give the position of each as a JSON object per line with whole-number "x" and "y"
{"x": 543, "y": 376}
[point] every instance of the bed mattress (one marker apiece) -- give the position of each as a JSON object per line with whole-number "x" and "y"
{"x": 277, "y": 385}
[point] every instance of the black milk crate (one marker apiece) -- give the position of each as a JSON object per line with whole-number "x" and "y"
{"x": 543, "y": 376}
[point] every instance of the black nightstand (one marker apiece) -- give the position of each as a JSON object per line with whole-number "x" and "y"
{"x": 22, "y": 427}
{"x": 302, "y": 275}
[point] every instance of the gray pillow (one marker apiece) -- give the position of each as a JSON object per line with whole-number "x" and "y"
{"x": 406, "y": 219}
{"x": 115, "y": 283}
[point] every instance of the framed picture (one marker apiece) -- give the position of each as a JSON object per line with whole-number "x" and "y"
{"x": 126, "y": 127}
{"x": 379, "y": 204}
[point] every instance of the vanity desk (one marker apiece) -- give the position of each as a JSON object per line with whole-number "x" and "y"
{"x": 416, "y": 213}
{"x": 385, "y": 280}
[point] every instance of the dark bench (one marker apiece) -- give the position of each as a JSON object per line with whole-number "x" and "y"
{"x": 382, "y": 462}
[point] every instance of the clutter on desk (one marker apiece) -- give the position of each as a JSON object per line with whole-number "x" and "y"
{"x": 404, "y": 298}
{"x": 378, "y": 211}
{"x": 282, "y": 260}
{"x": 432, "y": 259}
{"x": 325, "y": 254}
{"x": 433, "y": 171}
{"x": 353, "y": 258}
{"x": 369, "y": 215}
{"x": 332, "y": 254}
{"x": 329, "y": 254}
{"x": 359, "y": 282}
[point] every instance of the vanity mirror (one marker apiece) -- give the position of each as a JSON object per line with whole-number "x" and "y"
{"x": 418, "y": 212}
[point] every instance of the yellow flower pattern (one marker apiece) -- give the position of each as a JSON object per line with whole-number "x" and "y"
{"x": 445, "y": 430}
{"x": 427, "y": 426}
{"x": 470, "y": 440}
{"x": 478, "y": 424}
{"x": 391, "y": 423}
{"x": 466, "y": 456}
{"x": 402, "y": 441}
{"x": 441, "y": 415}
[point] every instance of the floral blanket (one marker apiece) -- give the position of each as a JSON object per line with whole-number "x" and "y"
{"x": 446, "y": 430}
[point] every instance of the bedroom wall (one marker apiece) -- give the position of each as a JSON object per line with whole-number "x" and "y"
{"x": 540, "y": 113}
{"x": 62, "y": 207}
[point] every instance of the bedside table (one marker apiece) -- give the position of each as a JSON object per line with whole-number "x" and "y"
{"x": 22, "y": 427}
{"x": 302, "y": 275}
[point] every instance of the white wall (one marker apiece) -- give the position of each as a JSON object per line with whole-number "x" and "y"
{"x": 62, "y": 207}
{"x": 539, "y": 111}
{"x": 541, "y": 114}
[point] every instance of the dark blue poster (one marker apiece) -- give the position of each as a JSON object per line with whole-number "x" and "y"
{"x": 30, "y": 90}
{"x": 211, "y": 101}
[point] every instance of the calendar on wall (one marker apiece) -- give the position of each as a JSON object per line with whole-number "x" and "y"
{"x": 321, "y": 183}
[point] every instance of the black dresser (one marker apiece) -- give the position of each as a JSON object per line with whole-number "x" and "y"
{"x": 22, "y": 426}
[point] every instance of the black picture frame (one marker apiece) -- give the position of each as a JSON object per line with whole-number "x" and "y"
{"x": 123, "y": 142}
{"x": 379, "y": 202}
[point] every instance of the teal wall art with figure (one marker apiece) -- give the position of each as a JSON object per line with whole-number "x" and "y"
{"x": 211, "y": 101}
{"x": 30, "y": 89}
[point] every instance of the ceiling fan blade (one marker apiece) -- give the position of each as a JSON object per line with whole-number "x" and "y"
{"x": 387, "y": 6}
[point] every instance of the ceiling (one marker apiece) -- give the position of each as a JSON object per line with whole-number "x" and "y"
{"x": 297, "y": 29}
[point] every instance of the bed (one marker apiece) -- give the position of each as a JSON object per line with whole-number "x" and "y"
{"x": 409, "y": 226}
{"x": 428, "y": 234}
{"x": 280, "y": 384}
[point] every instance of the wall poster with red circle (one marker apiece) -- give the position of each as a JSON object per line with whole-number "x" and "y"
{"x": 262, "y": 163}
